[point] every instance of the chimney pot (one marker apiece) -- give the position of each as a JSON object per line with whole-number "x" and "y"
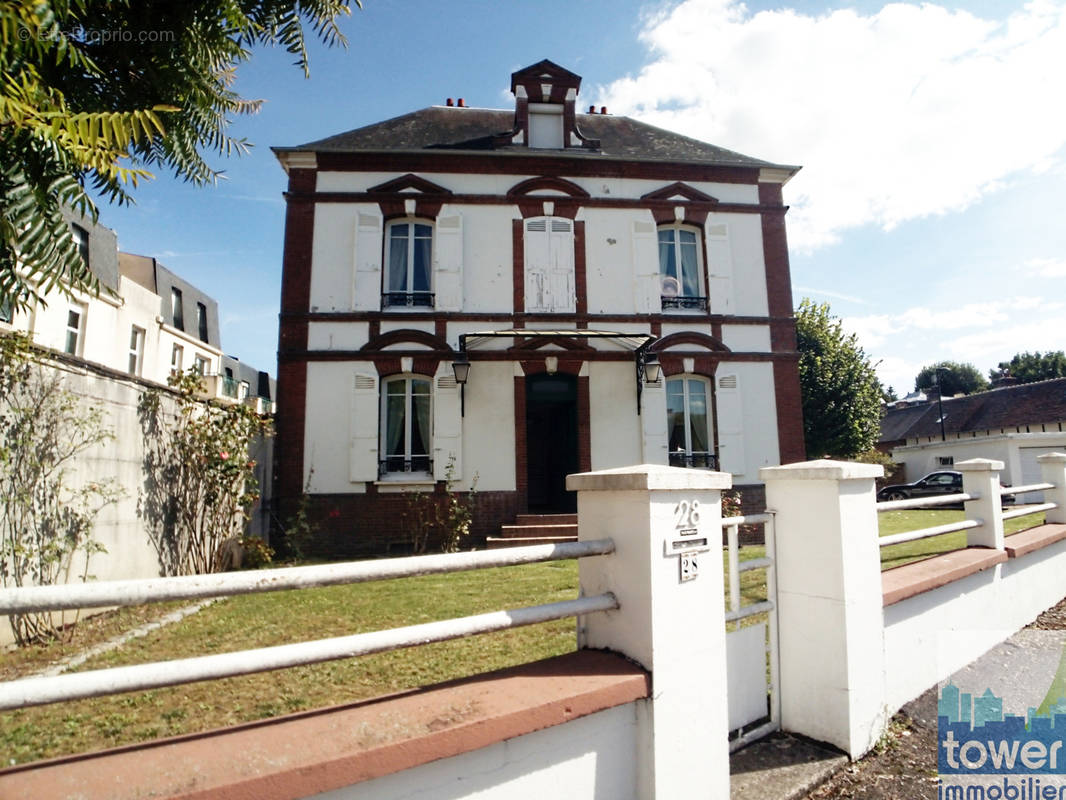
{"x": 592, "y": 109}
{"x": 603, "y": 109}
{"x": 449, "y": 102}
{"x": 462, "y": 103}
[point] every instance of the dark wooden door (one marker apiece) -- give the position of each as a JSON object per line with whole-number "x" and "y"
{"x": 551, "y": 442}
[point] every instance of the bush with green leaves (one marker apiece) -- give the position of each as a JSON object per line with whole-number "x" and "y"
{"x": 447, "y": 518}
{"x": 200, "y": 481}
{"x": 47, "y": 509}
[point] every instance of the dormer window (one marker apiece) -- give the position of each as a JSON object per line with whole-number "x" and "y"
{"x": 546, "y": 126}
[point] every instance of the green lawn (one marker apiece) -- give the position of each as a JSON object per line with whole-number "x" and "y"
{"x": 284, "y": 617}
{"x": 897, "y": 555}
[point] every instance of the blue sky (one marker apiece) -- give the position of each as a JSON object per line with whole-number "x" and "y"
{"x": 931, "y": 138}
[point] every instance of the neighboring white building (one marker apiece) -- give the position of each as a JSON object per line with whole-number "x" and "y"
{"x": 1012, "y": 424}
{"x": 145, "y": 322}
{"x": 555, "y": 251}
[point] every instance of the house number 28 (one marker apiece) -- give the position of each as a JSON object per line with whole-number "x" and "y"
{"x": 687, "y": 514}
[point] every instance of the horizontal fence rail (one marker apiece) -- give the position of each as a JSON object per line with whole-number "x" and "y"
{"x": 928, "y": 533}
{"x": 79, "y": 685}
{"x": 1027, "y": 510}
{"x": 67, "y": 597}
{"x": 925, "y": 502}
{"x": 1030, "y": 487}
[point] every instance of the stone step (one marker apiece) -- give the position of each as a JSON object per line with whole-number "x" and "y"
{"x": 511, "y": 531}
{"x": 495, "y": 542}
{"x": 546, "y": 519}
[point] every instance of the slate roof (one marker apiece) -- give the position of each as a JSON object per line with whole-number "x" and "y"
{"x": 1042, "y": 402}
{"x": 467, "y": 130}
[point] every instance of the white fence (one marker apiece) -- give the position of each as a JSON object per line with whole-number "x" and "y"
{"x": 839, "y": 652}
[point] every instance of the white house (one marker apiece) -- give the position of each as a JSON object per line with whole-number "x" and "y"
{"x": 570, "y": 259}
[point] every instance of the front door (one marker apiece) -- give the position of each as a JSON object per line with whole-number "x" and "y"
{"x": 551, "y": 442}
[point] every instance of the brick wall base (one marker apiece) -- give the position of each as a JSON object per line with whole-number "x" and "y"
{"x": 365, "y": 525}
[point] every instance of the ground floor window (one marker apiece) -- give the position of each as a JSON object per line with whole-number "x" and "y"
{"x": 688, "y": 415}
{"x": 406, "y": 435}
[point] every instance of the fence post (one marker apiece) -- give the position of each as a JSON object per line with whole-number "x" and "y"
{"x": 671, "y": 616}
{"x": 830, "y": 622}
{"x": 1053, "y": 470}
{"x": 980, "y": 476}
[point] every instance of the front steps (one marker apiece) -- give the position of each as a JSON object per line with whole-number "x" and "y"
{"x": 536, "y": 529}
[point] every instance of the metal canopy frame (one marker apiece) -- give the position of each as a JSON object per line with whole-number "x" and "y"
{"x": 639, "y": 342}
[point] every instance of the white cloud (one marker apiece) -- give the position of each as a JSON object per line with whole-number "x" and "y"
{"x": 1045, "y": 267}
{"x": 912, "y": 111}
{"x": 808, "y": 290}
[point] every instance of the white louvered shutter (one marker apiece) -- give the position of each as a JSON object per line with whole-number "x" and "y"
{"x": 447, "y": 428}
{"x": 647, "y": 293}
{"x": 719, "y": 268}
{"x": 366, "y": 283}
{"x": 561, "y": 259}
{"x": 448, "y": 263}
{"x": 730, "y": 424}
{"x": 656, "y": 441}
{"x": 363, "y": 426}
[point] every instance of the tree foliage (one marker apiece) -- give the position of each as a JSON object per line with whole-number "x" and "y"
{"x": 954, "y": 378}
{"x": 841, "y": 392}
{"x": 46, "y": 510}
{"x": 95, "y": 93}
{"x": 1029, "y": 367}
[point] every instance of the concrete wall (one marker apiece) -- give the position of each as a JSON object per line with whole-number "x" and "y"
{"x": 121, "y": 527}
{"x": 933, "y": 634}
{"x": 591, "y": 757}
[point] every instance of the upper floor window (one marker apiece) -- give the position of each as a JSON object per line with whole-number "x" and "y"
{"x": 81, "y": 241}
{"x": 177, "y": 309}
{"x": 548, "y": 251}
{"x": 75, "y": 320}
{"x": 680, "y": 268}
{"x": 546, "y": 125}
{"x": 409, "y": 246}
{"x": 7, "y": 310}
{"x": 200, "y": 365}
{"x": 406, "y": 434}
{"x": 136, "y": 350}
{"x": 177, "y": 358}
{"x": 688, "y": 423}
{"x": 201, "y": 321}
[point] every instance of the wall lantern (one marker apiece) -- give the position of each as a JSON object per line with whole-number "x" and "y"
{"x": 648, "y": 369}
{"x": 461, "y": 369}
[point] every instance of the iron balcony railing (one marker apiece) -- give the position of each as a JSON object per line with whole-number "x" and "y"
{"x": 694, "y": 303}
{"x": 695, "y": 459}
{"x": 407, "y": 300}
{"x": 392, "y": 465}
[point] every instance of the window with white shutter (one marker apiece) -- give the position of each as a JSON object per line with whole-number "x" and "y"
{"x": 549, "y": 264}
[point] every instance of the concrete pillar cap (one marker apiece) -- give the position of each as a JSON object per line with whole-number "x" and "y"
{"x": 823, "y": 469}
{"x": 648, "y": 477}
{"x": 979, "y": 465}
{"x": 1052, "y": 458}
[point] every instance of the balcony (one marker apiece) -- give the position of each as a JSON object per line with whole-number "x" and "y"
{"x": 694, "y": 460}
{"x": 685, "y": 303}
{"x": 220, "y": 387}
{"x": 394, "y": 466}
{"x": 407, "y": 300}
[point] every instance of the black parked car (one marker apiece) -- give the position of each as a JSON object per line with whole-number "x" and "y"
{"x": 935, "y": 483}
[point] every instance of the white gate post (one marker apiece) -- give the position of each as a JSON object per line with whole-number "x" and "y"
{"x": 1053, "y": 470}
{"x": 674, "y": 628}
{"x": 830, "y": 623}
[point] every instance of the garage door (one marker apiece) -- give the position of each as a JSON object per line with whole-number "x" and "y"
{"x": 1031, "y": 471}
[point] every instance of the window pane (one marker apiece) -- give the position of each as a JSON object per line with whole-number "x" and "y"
{"x": 394, "y": 432}
{"x": 667, "y": 256}
{"x": 72, "y": 319}
{"x": 697, "y": 412}
{"x": 72, "y": 343}
{"x": 420, "y": 277}
{"x": 690, "y": 274}
{"x": 420, "y": 435}
{"x": 398, "y": 258}
{"x": 675, "y": 415}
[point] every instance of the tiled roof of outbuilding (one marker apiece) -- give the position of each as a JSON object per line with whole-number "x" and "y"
{"x": 454, "y": 129}
{"x": 1042, "y": 402}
